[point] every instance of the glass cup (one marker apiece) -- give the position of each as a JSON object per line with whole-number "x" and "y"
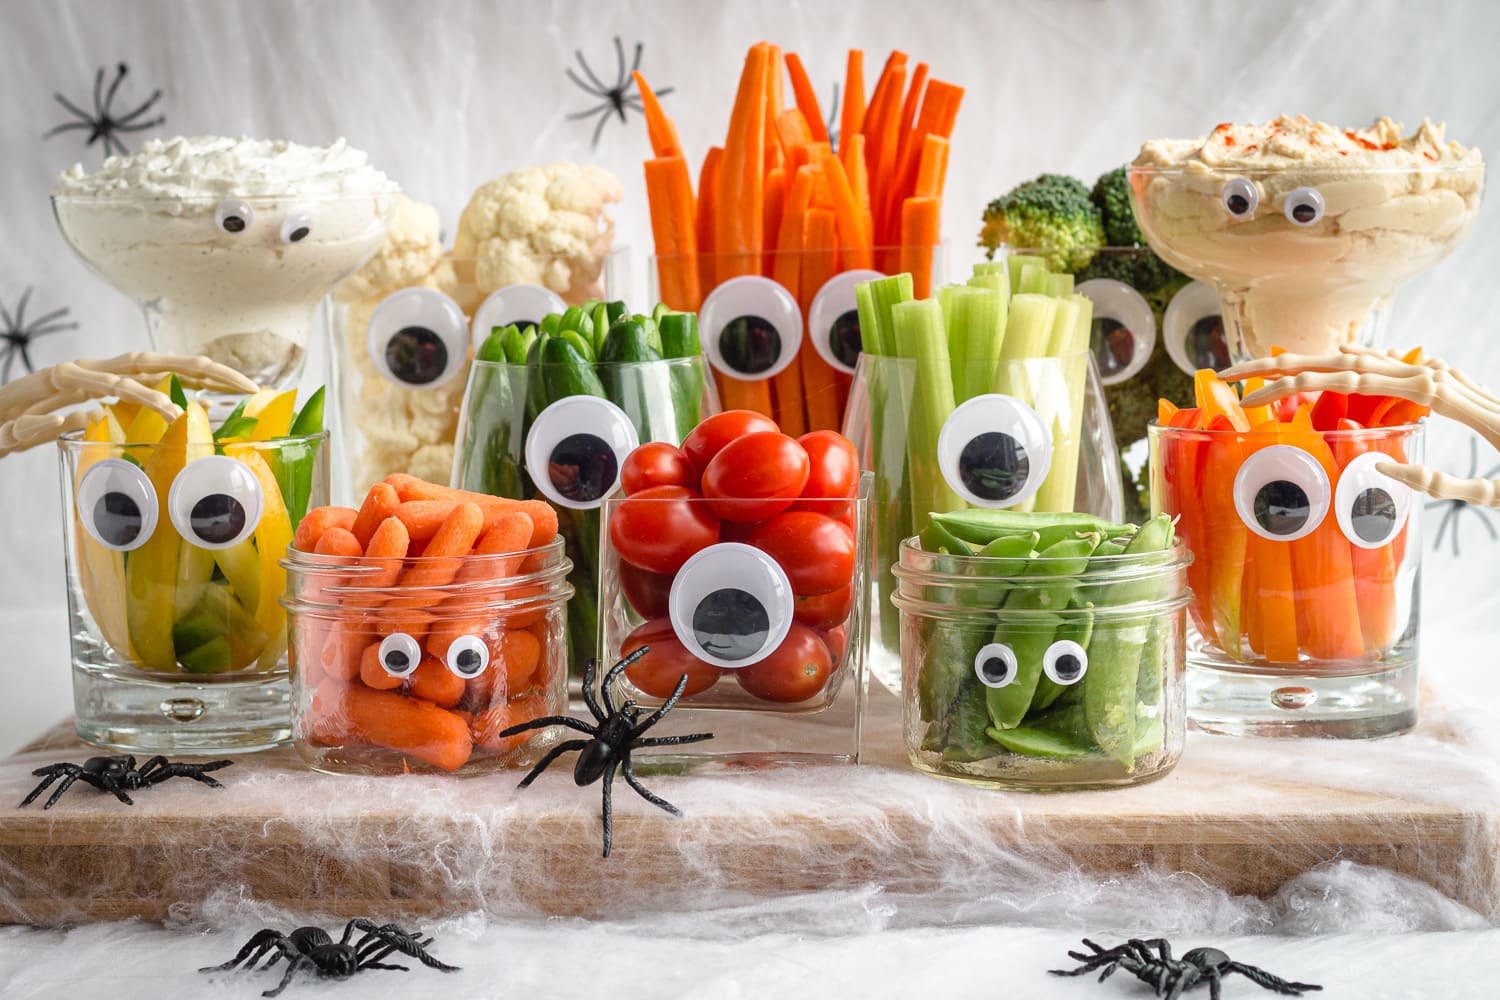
{"x": 1087, "y": 695}
{"x": 774, "y": 660}
{"x": 1028, "y": 434}
{"x": 418, "y": 664}
{"x": 782, "y": 331}
{"x": 1304, "y": 579}
{"x": 174, "y": 578}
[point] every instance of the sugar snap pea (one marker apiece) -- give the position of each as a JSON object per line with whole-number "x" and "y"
{"x": 980, "y": 527}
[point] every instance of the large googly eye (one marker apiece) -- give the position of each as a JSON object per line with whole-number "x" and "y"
{"x": 1065, "y": 662}
{"x": 1193, "y": 329}
{"x": 117, "y": 504}
{"x": 752, "y": 327}
{"x": 297, "y": 226}
{"x": 995, "y": 665}
{"x": 418, "y": 338}
{"x": 399, "y": 654}
{"x": 1281, "y": 493}
{"x": 1371, "y": 506}
{"x": 215, "y": 502}
{"x": 994, "y": 451}
{"x": 575, "y": 449}
{"x": 731, "y": 605}
{"x": 1124, "y": 332}
{"x": 523, "y": 305}
{"x": 1303, "y": 207}
{"x": 1240, "y": 197}
{"x": 234, "y": 216}
{"x": 467, "y": 656}
{"x": 833, "y": 320}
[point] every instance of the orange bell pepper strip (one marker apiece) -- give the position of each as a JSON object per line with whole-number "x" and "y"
{"x": 1216, "y": 398}
{"x": 1374, "y": 569}
{"x": 1276, "y": 616}
{"x": 1327, "y": 604}
{"x": 1224, "y": 532}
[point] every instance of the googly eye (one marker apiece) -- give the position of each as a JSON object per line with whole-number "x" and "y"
{"x": 399, "y": 654}
{"x": 731, "y": 605}
{"x": 1124, "y": 333}
{"x": 1371, "y": 507}
{"x": 994, "y": 451}
{"x": 215, "y": 502}
{"x": 1281, "y": 493}
{"x": 995, "y": 665}
{"x": 833, "y": 320}
{"x": 418, "y": 338}
{"x": 523, "y": 305}
{"x": 752, "y": 327}
{"x": 297, "y": 226}
{"x": 1240, "y": 197}
{"x": 467, "y": 656}
{"x": 575, "y": 449}
{"x": 117, "y": 504}
{"x": 1303, "y": 207}
{"x": 1065, "y": 662}
{"x": 234, "y": 216}
{"x": 1193, "y": 329}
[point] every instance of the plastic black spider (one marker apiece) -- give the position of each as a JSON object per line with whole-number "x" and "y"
{"x": 1171, "y": 976}
{"x": 117, "y": 774}
{"x": 616, "y": 734}
{"x": 617, "y": 96}
{"x": 102, "y": 124}
{"x": 17, "y": 334}
{"x": 1457, "y": 507}
{"x": 312, "y": 948}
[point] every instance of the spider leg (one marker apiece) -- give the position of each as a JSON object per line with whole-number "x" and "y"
{"x": 52, "y": 772}
{"x": 167, "y": 770}
{"x": 140, "y": 126}
{"x": 671, "y": 741}
{"x": 110, "y": 142}
{"x": 1215, "y": 984}
{"x": 11, "y": 351}
{"x": 99, "y": 93}
{"x": 643, "y": 791}
{"x": 588, "y": 691}
{"x": 599, "y": 128}
{"x": 20, "y": 323}
{"x": 662, "y": 709}
{"x": 614, "y": 672}
{"x": 586, "y": 88}
{"x": 635, "y": 63}
{"x": 109, "y": 98}
{"x": 388, "y": 968}
{"x": 83, "y": 116}
{"x": 262, "y": 942}
{"x": 131, "y": 116}
{"x": 552, "y": 755}
{"x": 605, "y": 107}
{"x": 293, "y": 964}
{"x": 67, "y": 126}
{"x": 609, "y": 823}
{"x": 550, "y": 720}
{"x": 395, "y": 938}
{"x": 1265, "y": 980}
{"x": 62, "y": 787}
{"x": 40, "y": 321}
{"x": 1178, "y": 986}
{"x": 620, "y": 75}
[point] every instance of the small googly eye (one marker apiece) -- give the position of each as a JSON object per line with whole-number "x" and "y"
{"x": 1281, "y": 493}
{"x": 215, "y": 502}
{"x": 297, "y": 226}
{"x": 234, "y": 216}
{"x": 467, "y": 656}
{"x": 1372, "y": 507}
{"x": 752, "y": 327}
{"x": 575, "y": 449}
{"x": 399, "y": 654}
{"x": 1193, "y": 329}
{"x": 418, "y": 338}
{"x": 523, "y": 305}
{"x": 1240, "y": 197}
{"x": 1303, "y": 207}
{"x": 117, "y": 504}
{"x": 1124, "y": 333}
{"x": 1065, "y": 662}
{"x": 995, "y": 665}
{"x": 731, "y": 605}
{"x": 833, "y": 320}
{"x": 994, "y": 451}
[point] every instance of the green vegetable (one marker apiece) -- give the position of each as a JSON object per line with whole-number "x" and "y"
{"x": 980, "y": 527}
{"x": 309, "y": 419}
{"x": 1111, "y": 196}
{"x": 236, "y": 424}
{"x": 920, "y": 335}
{"x": 1052, "y": 213}
{"x": 174, "y": 390}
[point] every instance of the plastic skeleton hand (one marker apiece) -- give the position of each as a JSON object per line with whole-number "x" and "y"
{"x": 1447, "y": 391}
{"x": 29, "y": 405}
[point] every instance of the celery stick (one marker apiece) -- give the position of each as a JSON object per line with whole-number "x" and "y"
{"x": 1016, "y": 264}
{"x": 976, "y": 329}
{"x": 990, "y": 267}
{"x": 1071, "y": 348}
{"x": 1060, "y": 286}
{"x": 1035, "y": 280}
{"x": 875, "y": 299}
{"x": 1050, "y": 395}
{"x": 921, "y": 337}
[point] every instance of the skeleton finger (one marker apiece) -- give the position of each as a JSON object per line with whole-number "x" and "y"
{"x": 1442, "y": 486}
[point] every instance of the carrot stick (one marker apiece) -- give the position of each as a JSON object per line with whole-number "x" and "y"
{"x": 319, "y": 520}
{"x": 822, "y": 385}
{"x": 669, "y": 191}
{"x": 920, "y": 219}
{"x": 433, "y": 681}
{"x": 939, "y": 109}
{"x": 932, "y": 167}
{"x": 405, "y": 725}
{"x": 852, "y": 114}
{"x": 775, "y": 192}
{"x": 806, "y": 97}
{"x": 881, "y": 136}
{"x": 372, "y": 674}
{"x": 380, "y": 503}
{"x": 772, "y": 154}
{"x": 858, "y": 172}
{"x": 793, "y": 129}
{"x": 907, "y": 139}
{"x": 708, "y": 199}
{"x": 1374, "y": 569}
{"x": 442, "y": 559}
{"x": 738, "y": 215}
{"x": 659, "y": 128}
{"x": 1324, "y": 570}
{"x": 788, "y": 384}
{"x": 853, "y": 241}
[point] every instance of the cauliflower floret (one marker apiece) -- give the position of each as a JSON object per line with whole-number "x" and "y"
{"x": 413, "y": 245}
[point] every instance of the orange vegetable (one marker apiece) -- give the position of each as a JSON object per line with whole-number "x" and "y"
{"x": 793, "y": 130}
{"x": 823, "y": 388}
{"x": 513, "y": 662}
{"x": 341, "y": 651}
{"x": 1374, "y": 569}
{"x": 338, "y": 542}
{"x": 372, "y": 673}
{"x": 932, "y": 167}
{"x": 921, "y": 220}
{"x": 434, "y": 682}
{"x": 1216, "y": 398}
{"x": 380, "y": 503}
{"x": 453, "y": 540}
{"x": 738, "y": 214}
{"x": 510, "y": 534}
{"x": 775, "y": 192}
{"x": 1327, "y": 606}
{"x": 543, "y": 517}
{"x": 708, "y": 200}
{"x": 807, "y": 98}
{"x": 659, "y": 128}
{"x": 786, "y": 271}
{"x": 669, "y": 190}
{"x": 406, "y": 725}
{"x": 488, "y": 724}
{"x": 852, "y": 112}
{"x": 772, "y": 153}
{"x": 319, "y": 520}
{"x": 853, "y": 241}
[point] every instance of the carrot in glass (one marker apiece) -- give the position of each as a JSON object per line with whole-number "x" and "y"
{"x": 1374, "y": 569}
{"x": 921, "y": 218}
{"x": 442, "y": 559}
{"x": 338, "y": 542}
{"x": 772, "y": 156}
{"x": 793, "y": 130}
{"x": 932, "y": 167}
{"x": 1323, "y": 568}
{"x": 510, "y": 534}
{"x": 406, "y": 725}
{"x": 488, "y": 724}
{"x": 319, "y": 520}
{"x": 708, "y": 200}
{"x": 1224, "y": 532}
{"x": 823, "y": 388}
{"x": 853, "y": 242}
{"x": 372, "y": 674}
{"x": 775, "y": 196}
{"x": 669, "y": 192}
{"x": 786, "y": 271}
{"x": 660, "y": 129}
{"x": 434, "y": 682}
{"x": 380, "y": 503}
{"x": 852, "y": 112}
{"x": 513, "y": 661}
{"x": 806, "y": 98}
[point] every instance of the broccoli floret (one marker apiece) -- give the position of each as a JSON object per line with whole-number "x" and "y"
{"x": 1052, "y": 214}
{"x": 1111, "y": 195}
{"x": 1154, "y": 278}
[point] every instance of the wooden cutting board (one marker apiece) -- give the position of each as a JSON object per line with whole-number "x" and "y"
{"x": 1242, "y": 815}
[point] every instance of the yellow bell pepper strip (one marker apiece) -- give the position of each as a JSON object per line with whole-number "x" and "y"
{"x": 101, "y": 570}
{"x": 240, "y": 565}
{"x": 1218, "y": 399}
{"x": 1225, "y": 534}
{"x": 272, "y": 413}
{"x": 272, "y": 537}
{"x": 1256, "y": 415}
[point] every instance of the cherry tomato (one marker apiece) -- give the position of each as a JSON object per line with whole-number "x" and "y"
{"x": 834, "y": 465}
{"x": 657, "y": 464}
{"x": 708, "y": 438}
{"x": 825, "y": 611}
{"x": 661, "y": 527}
{"x": 755, "y": 477}
{"x": 658, "y": 672}
{"x": 646, "y": 591}
{"x": 796, "y": 671}
{"x": 817, "y": 552}
{"x": 734, "y": 531}
{"x": 835, "y": 640}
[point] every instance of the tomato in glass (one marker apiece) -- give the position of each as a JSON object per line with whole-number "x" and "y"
{"x": 834, "y": 465}
{"x": 657, "y": 463}
{"x": 646, "y": 591}
{"x": 755, "y": 477}
{"x": 817, "y": 552}
{"x": 666, "y": 662}
{"x": 835, "y": 639}
{"x": 825, "y": 611}
{"x": 796, "y": 671}
{"x": 661, "y": 527}
{"x": 709, "y": 437}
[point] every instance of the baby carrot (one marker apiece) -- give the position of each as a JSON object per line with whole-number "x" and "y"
{"x": 319, "y": 520}
{"x": 453, "y": 540}
{"x": 424, "y": 518}
{"x": 433, "y": 681}
{"x": 338, "y": 542}
{"x": 511, "y": 534}
{"x": 380, "y": 503}
{"x": 494, "y": 720}
{"x": 390, "y": 544}
{"x": 341, "y": 651}
{"x": 406, "y": 725}
{"x": 513, "y": 662}
{"x": 372, "y": 673}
